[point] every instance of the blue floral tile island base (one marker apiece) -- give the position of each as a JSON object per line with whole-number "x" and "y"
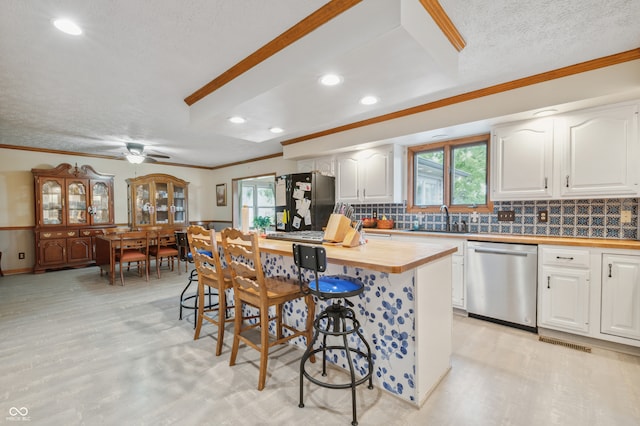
{"x": 406, "y": 318}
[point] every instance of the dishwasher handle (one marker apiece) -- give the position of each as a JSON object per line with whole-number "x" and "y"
{"x": 496, "y": 251}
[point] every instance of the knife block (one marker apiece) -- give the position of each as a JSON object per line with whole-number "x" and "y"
{"x": 337, "y": 228}
{"x": 352, "y": 239}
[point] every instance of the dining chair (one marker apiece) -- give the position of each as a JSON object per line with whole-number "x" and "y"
{"x": 134, "y": 247}
{"x": 251, "y": 288}
{"x": 212, "y": 277}
{"x": 164, "y": 246}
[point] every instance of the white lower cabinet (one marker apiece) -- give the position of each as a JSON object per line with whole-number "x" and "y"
{"x": 458, "y": 289}
{"x": 620, "y": 315}
{"x": 564, "y": 299}
{"x": 563, "y": 289}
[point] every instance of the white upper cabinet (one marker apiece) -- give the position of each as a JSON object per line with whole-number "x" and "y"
{"x": 523, "y": 161}
{"x": 323, "y": 165}
{"x": 600, "y": 154}
{"x": 369, "y": 176}
{"x": 583, "y": 154}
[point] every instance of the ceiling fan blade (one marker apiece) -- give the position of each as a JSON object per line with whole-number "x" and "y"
{"x": 157, "y": 155}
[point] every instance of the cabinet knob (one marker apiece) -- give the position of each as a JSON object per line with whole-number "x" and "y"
{"x": 548, "y": 281}
{"x": 567, "y": 184}
{"x": 546, "y": 182}
{"x": 610, "y": 270}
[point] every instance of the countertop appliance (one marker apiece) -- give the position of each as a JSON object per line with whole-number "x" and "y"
{"x": 502, "y": 283}
{"x": 311, "y": 237}
{"x": 304, "y": 201}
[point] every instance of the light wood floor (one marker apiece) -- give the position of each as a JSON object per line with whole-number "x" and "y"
{"x": 74, "y": 350}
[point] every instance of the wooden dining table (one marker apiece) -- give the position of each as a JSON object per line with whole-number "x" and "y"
{"x": 105, "y": 256}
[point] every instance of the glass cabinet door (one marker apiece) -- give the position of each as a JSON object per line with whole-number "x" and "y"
{"x": 51, "y": 202}
{"x": 99, "y": 208}
{"x": 179, "y": 205}
{"x": 77, "y": 203}
{"x": 162, "y": 203}
{"x": 144, "y": 208}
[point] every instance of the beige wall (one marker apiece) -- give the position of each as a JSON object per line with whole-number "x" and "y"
{"x": 17, "y": 198}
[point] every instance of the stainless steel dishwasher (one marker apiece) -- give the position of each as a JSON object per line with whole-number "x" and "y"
{"x": 502, "y": 283}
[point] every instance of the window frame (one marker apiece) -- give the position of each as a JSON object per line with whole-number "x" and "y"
{"x": 447, "y": 146}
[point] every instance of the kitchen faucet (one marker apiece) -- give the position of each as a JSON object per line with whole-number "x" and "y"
{"x": 445, "y": 209}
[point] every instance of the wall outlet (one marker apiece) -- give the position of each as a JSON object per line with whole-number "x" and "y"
{"x": 543, "y": 216}
{"x": 506, "y": 216}
{"x": 21, "y": 255}
{"x": 475, "y": 217}
{"x": 625, "y": 216}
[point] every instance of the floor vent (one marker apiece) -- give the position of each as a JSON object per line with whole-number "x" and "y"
{"x": 565, "y": 344}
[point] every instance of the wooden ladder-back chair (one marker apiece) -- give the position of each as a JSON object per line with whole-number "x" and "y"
{"x": 251, "y": 287}
{"x": 204, "y": 250}
{"x": 164, "y": 247}
{"x": 134, "y": 247}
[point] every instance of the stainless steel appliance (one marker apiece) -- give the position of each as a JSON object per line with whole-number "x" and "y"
{"x": 304, "y": 201}
{"x": 502, "y": 283}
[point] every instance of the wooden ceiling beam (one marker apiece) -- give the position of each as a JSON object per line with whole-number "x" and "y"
{"x": 290, "y": 36}
{"x": 434, "y": 8}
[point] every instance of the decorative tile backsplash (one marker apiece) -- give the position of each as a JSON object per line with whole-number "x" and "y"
{"x": 599, "y": 218}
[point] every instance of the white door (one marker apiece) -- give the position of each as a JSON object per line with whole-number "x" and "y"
{"x": 621, "y": 296}
{"x": 600, "y": 151}
{"x": 523, "y": 161}
{"x": 564, "y": 299}
{"x": 347, "y": 180}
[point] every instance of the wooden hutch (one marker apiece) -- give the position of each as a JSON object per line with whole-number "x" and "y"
{"x": 157, "y": 200}
{"x": 72, "y": 205}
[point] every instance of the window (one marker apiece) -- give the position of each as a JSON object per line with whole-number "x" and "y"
{"x": 454, "y": 173}
{"x": 258, "y": 195}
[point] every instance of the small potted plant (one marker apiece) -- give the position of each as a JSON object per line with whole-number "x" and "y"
{"x": 261, "y": 223}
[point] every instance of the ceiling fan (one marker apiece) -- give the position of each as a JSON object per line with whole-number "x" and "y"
{"x": 137, "y": 155}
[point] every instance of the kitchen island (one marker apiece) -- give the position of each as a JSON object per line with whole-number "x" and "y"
{"x": 405, "y": 311}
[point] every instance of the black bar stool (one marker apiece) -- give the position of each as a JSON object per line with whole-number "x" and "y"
{"x": 338, "y": 321}
{"x": 185, "y": 255}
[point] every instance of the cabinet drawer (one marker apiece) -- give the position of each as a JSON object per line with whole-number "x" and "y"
{"x": 90, "y": 232}
{"x": 47, "y": 235}
{"x": 566, "y": 257}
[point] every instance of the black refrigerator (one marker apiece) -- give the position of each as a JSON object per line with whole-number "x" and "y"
{"x": 304, "y": 201}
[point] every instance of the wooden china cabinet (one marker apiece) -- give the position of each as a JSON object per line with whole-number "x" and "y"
{"x": 157, "y": 200}
{"x": 73, "y": 205}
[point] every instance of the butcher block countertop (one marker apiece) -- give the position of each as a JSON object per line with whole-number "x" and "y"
{"x": 520, "y": 239}
{"x": 383, "y": 256}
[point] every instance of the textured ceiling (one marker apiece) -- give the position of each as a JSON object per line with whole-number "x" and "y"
{"x": 126, "y": 77}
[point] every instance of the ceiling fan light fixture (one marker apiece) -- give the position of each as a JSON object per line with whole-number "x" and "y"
{"x": 67, "y": 26}
{"x": 236, "y": 119}
{"x": 135, "y": 158}
{"x": 330, "y": 80}
{"x": 276, "y": 130}
{"x": 369, "y": 100}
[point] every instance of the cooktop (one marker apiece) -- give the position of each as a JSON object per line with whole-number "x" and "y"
{"x": 312, "y": 237}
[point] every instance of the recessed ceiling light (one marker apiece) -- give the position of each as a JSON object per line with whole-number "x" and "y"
{"x": 236, "y": 119}
{"x": 545, "y": 112}
{"x": 369, "y": 100}
{"x": 276, "y": 130}
{"x": 67, "y": 26}
{"x": 330, "y": 79}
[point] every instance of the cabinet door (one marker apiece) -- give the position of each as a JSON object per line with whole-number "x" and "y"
{"x": 143, "y": 205}
{"x": 179, "y": 205}
{"x": 564, "y": 299}
{"x": 52, "y": 252}
{"x": 457, "y": 282}
{"x": 161, "y": 203}
{"x": 600, "y": 152}
{"x": 348, "y": 183}
{"x": 101, "y": 201}
{"x": 523, "y": 161}
{"x": 621, "y": 296}
{"x": 77, "y": 202}
{"x": 51, "y": 202}
{"x": 376, "y": 176}
{"x": 79, "y": 249}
